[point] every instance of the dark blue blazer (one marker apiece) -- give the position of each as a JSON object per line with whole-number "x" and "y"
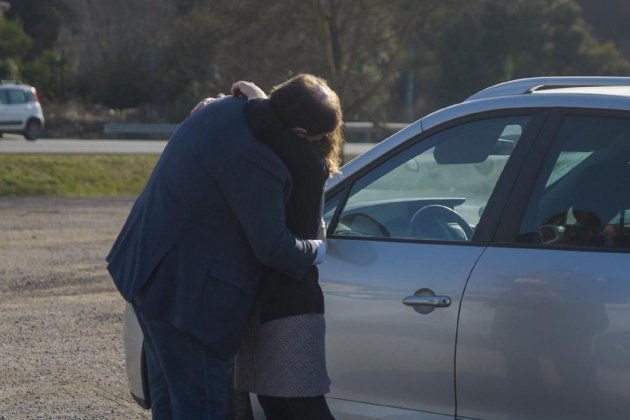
{"x": 212, "y": 213}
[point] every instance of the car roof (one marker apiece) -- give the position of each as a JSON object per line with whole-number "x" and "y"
{"x": 13, "y": 84}
{"x": 603, "y": 97}
{"x": 539, "y": 92}
{"x": 538, "y": 84}
{"x": 591, "y": 90}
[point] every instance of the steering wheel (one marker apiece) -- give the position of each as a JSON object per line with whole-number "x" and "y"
{"x": 439, "y": 222}
{"x": 360, "y": 224}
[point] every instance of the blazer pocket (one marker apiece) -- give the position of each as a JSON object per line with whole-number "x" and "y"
{"x": 233, "y": 277}
{"x": 229, "y": 297}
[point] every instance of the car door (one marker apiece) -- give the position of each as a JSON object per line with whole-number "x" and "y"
{"x": 4, "y": 111}
{"x": 12, "y": 109}
{"x": 404, "y": 236}
{"x": 16, "y": 109}
{"x": 544, "y": 326}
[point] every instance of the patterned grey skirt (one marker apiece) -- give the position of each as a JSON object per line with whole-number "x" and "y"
{"x": 283, "y": 358}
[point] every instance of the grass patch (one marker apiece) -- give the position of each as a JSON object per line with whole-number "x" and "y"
{"x": 74, "y": 175}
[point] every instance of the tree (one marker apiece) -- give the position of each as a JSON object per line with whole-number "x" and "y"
{"x": 609, "y": 20}
{"x": 363, "y": 46}
{"x": 42, "y": 20}
{"x": 360, "y": 47}
{"x": 388, "y": 60}
{"x": 216, "y": 43}
{"x": 490, "y": 42}
{"x": 14, "y": 46}
{"x": 14, "y": 42}
{"x": 116, "y": 46}
{"x": 52, "y": 73}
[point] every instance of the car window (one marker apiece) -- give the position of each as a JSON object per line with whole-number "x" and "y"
{"x": 437, "y": 189}
{"x": 16, "y": 96}
{"x": 582, "y": 198}
{"x": 567, "y": 161}
{"x": 3, "y": 96}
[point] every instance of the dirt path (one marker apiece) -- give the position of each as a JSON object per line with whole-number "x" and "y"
{"x": 61, "y": 354}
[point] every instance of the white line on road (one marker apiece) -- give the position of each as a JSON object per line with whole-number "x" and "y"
{"x": 17, "y": 145}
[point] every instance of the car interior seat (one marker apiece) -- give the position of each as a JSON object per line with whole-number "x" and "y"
{"x": 601, "y": 194}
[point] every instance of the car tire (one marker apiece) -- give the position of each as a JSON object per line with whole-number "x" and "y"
{"x": 32, "y": 130}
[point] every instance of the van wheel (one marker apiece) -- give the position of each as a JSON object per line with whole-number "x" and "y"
{"x": 33, "y": 130}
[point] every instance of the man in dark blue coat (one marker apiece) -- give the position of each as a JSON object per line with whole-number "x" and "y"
{"x": 190, "y": 254}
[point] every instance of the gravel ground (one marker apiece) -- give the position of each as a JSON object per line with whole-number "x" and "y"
{"x": 61, "y": 353}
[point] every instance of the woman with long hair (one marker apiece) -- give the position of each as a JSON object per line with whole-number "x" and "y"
{"x": 282, "y": 356}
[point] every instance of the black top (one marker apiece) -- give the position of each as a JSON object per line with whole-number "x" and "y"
{"x": 280, "y": 295}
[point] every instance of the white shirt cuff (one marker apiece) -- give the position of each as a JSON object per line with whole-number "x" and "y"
{"x": 321, "y": 252}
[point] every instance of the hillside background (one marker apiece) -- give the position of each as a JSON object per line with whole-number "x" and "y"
{"x": 390, "y": 60}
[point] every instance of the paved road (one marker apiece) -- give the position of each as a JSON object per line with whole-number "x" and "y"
{"x": 16, "y": 144}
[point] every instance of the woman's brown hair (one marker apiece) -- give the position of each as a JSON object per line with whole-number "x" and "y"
{"x": 306, "y": 101}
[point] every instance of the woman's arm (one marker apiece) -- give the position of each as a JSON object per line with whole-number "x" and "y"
{"x": 248, "y": 90}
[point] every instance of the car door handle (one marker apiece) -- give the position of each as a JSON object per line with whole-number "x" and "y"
{"x": 435, "y": 301}
{"x": 424, "y": 301}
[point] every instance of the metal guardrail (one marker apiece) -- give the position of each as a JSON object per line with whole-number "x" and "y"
{"x": 128, "y": 129}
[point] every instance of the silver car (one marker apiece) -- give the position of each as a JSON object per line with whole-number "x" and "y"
{"x": 20, "y": 110}
{"x": 479, "y": 262}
